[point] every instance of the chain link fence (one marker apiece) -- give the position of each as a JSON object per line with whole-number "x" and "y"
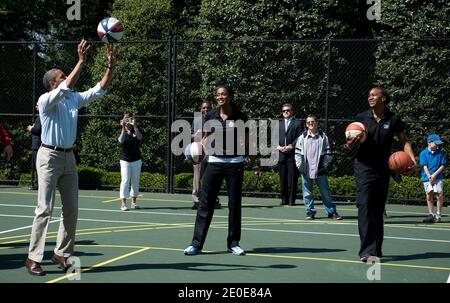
{"x": 165, "y": 80}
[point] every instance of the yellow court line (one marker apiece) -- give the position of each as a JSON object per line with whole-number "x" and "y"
{"x": 118, "y": 199}
{"x": 285, "y": 257}
{"x": 349, "y": 261}
{"x": 100, "y": 264}
{"x": 112, "y": 200}
{"x": 150, "y": 226}
{"x": 87, "y": 229}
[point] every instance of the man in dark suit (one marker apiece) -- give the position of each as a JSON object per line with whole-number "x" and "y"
{"x": 35, "y": 130}
{"x": 290, "y": 129}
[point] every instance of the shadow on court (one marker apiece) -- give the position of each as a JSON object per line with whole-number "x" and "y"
{"x": 191, "y": 266}
{"x": 422, "y": 256}
{"x": 291, "y": 250}
{"x": 13, "y": 261}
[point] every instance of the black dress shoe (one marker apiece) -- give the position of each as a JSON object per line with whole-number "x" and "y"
{"x": 283, "y": 203}
{"x": 61, "y": 262}
{"x": 34, "y": 268}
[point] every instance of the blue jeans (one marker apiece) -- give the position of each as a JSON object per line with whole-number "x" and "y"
{"x": 308, "y": 196}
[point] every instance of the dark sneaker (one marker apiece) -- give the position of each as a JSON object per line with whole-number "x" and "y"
{"x": 195, "y": 206}
{"x": 310, "y": 216}
{"x": 370, "y": 259}
{"x": 218, "y": 206}
{"x": 429, "y": 219}
{"x": 335, "y": 216}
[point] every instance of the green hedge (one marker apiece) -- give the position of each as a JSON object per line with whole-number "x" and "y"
{"x": 411, "y": 188}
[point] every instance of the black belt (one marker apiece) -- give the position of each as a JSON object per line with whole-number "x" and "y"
{"x": 66, "y": 150}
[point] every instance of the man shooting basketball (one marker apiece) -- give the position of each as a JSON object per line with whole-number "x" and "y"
{"x": 56, "y": 166}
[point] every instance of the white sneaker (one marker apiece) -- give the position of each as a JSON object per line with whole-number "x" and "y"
{"x": 123, "y": 208}
{"x": 236, "y": 250}
{"x": 192, "y": 250}
{"x": 437, "y": 218}
{"x": 134, "y": 206}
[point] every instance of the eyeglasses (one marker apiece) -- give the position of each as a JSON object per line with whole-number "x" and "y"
{"x": 286, "y": 110}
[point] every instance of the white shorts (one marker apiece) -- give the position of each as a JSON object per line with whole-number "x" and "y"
{"x": 436, "y": 187}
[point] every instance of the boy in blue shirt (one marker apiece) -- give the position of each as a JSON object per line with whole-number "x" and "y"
{"x": 433, "y": 161}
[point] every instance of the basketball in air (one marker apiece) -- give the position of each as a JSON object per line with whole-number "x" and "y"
{"x": 356, "y": 129}
{"x": 110, "y": 30}
{"x": 399, "y": 162}
{"x": 194, "y": 152}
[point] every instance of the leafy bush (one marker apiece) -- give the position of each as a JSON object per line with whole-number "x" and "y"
{"x": 89, "y": 177}
{"x": 153, "y": 181}
{"x": 184, "y": 180}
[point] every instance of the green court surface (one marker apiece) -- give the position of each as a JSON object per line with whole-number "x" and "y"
{"x": 146, "y": 245}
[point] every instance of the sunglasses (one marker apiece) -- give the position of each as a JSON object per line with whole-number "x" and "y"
{"x": 285, "y": 110}
{"x": 310, "y": 122}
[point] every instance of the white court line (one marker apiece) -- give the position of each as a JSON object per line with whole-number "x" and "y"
{"x": 338, "y": 234}
{"x": 24, "y": 227}
{"x": 226, "y": 217}
{"x": 258, "y": 229}
{"x": 91, "y": 220}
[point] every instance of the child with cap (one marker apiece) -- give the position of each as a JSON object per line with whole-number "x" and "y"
{"x": 433, "y": 161}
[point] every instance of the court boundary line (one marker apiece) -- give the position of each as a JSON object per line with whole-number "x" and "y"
{"x": 99, "y": 265}
{"x": 187, "y": 201}
{"x": 246, "y": 217}
{"x": 145, "y": 248}
{"x": 218, "y": 225}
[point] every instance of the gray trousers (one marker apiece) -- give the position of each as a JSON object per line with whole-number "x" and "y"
{"x": 55, "y": 169}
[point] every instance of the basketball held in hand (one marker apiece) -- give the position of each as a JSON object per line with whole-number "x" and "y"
{"x": 194, "y": 152}
{"x": 356, "y": 129}
{"x": 400, "y": 162}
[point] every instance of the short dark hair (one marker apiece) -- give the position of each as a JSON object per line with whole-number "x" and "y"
{"x": 288, "y": 105}
{"x": 205, "y": 101}
{"x": 49, "y": 76}
{"x": 311, "y": 116}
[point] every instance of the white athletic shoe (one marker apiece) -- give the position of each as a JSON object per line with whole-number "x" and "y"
{"x": 236, "y": 250}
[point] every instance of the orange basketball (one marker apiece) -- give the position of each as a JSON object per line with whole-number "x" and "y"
{"x": 356, "y": 129}
{"x": 399, "y": 162}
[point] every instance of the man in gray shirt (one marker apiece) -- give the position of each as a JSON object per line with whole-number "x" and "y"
{"x": 313, "y": 158}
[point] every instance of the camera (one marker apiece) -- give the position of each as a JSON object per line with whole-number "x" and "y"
{"x": 128, "y": 120}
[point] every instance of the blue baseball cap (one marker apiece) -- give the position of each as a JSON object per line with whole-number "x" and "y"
{"x": 434, "y": 138}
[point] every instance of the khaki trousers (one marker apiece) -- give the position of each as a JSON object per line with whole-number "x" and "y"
{"x": 55, "y": 169}
{"x": 196, "y": 182}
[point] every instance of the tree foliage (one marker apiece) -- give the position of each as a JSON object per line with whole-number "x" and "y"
{"x": 271, "y": 52}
